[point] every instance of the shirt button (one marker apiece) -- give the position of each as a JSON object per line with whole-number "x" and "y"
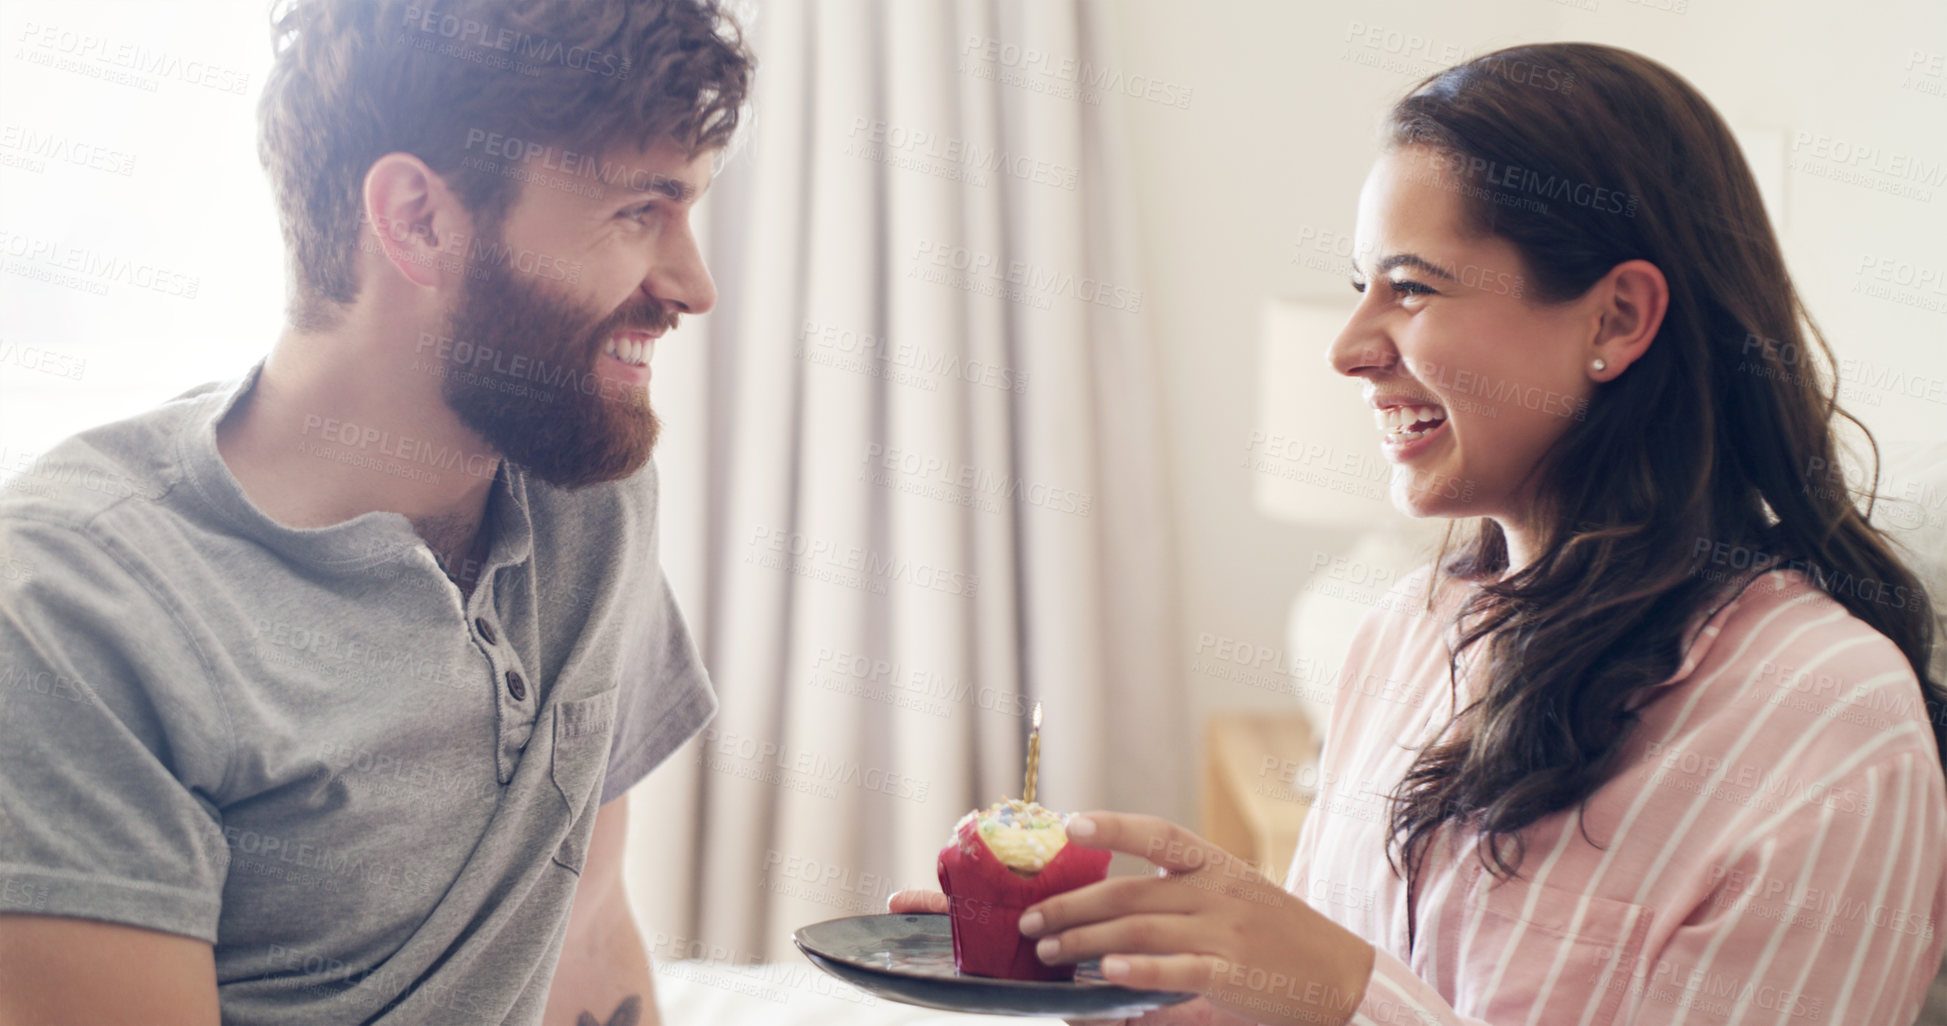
{"x": 515, "y": 685}
{"x": 486, "y": 630}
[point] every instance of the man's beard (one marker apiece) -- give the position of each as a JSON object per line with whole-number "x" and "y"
{"x": 537, "y": 399}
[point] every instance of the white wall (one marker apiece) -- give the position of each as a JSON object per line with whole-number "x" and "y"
{"x": 128, "y": 173}
{"x": 1282, "y": 127}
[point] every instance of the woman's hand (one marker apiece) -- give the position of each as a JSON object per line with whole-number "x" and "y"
{"x": 1189, "y": 1013}
{"x": 1207, "y": 922}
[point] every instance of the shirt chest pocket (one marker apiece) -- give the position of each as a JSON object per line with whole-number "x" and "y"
{"x": 1530, "y": 932}
{"x": 582, "y": 730}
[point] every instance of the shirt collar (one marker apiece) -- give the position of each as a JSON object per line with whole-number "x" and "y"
{"x": 366, "y": 540}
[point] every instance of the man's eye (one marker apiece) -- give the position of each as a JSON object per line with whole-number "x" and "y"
{"x": 637, "y": 213}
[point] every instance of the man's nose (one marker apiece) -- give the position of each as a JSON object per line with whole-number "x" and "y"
{"x": 679, "y": 278}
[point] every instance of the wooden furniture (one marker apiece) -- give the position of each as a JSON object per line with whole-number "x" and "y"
{"x": 1252, "y": 806}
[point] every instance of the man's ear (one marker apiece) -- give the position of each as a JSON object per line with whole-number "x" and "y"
{"x": 1632, "y": 299}
{"x": 416, "y": 219}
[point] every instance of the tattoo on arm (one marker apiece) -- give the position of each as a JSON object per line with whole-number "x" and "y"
{"x": 626, "y": 1014}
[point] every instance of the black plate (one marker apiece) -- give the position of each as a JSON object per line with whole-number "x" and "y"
{"x": 909, "y": 958}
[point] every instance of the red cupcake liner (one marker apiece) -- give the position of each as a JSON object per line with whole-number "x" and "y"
{"x": 985, "y": 899}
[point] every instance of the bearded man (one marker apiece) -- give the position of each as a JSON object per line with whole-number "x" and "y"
{"x": 321, "y": 688}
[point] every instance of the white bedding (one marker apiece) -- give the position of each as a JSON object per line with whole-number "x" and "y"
{"x": 696, "y": 993}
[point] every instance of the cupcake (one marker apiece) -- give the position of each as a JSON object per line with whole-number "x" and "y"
{"x": 999, "y": 861}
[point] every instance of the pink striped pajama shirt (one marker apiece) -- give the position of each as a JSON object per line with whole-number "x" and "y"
{"x": 1774, "y": 851}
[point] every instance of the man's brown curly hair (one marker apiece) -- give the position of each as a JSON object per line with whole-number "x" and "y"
{"x": 354, "y": 80}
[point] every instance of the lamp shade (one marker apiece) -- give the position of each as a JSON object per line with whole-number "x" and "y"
{"x": 1314, "y": 454}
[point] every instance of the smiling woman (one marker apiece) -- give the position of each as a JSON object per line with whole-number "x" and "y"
{"x": 1595, "y": 538}
{"x": 1571, "y": 773}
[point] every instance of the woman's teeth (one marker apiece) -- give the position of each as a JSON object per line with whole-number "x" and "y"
{"x": 632, "y": 351}
{"x": 1405, "y": 423}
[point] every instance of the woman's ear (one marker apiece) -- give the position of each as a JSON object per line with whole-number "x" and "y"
{"x": 1632, "y": 299}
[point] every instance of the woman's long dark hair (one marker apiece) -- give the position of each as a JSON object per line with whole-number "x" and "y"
{"x": 1714, "y": 451}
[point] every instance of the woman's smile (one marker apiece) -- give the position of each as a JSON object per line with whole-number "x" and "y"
{"x": 1408, "y": 429}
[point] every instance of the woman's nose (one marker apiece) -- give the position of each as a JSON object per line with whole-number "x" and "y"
{"x": 1360, "y": 348}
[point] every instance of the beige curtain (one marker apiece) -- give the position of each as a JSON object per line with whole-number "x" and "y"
{"x": 910, "y": 477}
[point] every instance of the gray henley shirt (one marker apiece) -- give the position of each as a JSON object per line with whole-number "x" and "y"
{"x": 374, "y": 798}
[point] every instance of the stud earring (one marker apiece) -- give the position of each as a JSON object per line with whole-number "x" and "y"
{"x": 1600, "y": 364}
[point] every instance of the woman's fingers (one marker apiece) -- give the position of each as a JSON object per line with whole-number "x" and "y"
{"x": 1152, "y": 837}
{"x": 1149, "y": 933}
{"x": 1108, "y": 899}
{"x": 1162, "y": 972}
{"x": 914, "y": 902}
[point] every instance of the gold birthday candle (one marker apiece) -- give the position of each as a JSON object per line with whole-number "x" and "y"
{"x": 1034, "y": 754}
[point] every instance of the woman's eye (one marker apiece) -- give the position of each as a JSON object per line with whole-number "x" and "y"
{"x": 1401, "y": 286}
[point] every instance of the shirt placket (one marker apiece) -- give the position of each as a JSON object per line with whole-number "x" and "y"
{"x": 515, "y": 695}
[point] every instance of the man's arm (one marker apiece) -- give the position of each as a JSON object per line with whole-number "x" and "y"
{"x": 56, "y": 970}
{"x": 603, "y": 978}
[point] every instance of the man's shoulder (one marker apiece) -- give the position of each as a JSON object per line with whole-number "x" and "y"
{"x": 127, "y": 465}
